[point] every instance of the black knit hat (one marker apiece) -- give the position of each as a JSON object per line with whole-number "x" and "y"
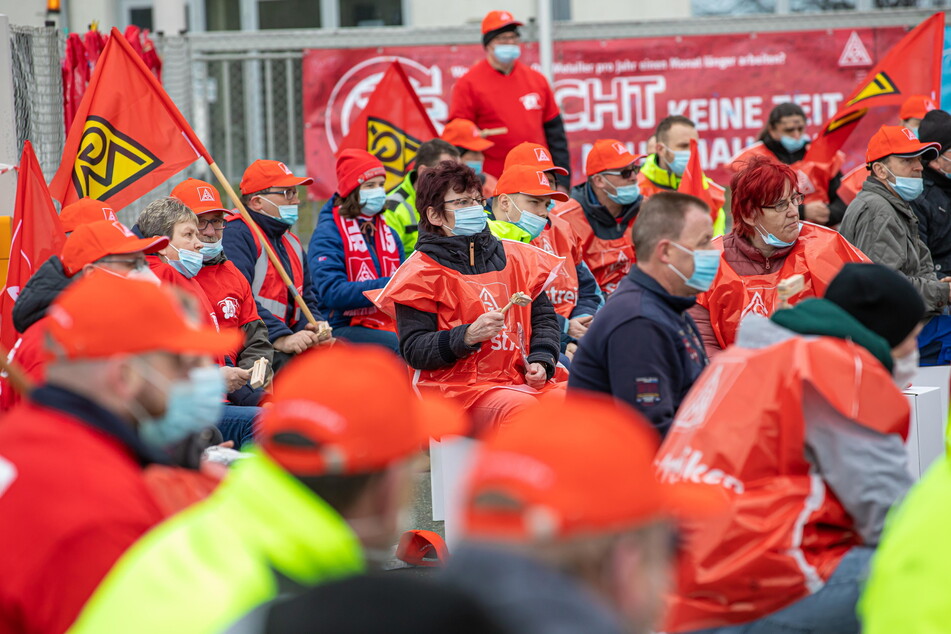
{"x": 880, "y": 298}
{"x": 936, "y": 128}
{"x": 491, "y": 35}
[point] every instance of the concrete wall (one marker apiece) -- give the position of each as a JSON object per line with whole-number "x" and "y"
{"x": 442, "y": 13}
{"x": 618, "y": 10}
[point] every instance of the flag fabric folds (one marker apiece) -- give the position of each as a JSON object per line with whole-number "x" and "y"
{"x": 694, "y": 182}
{"x": 392, "y": 125}
{"x": 127, "y": 136}
{"x": 37, "y": 235}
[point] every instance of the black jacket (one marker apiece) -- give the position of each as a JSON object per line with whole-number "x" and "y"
{"x": 836, "y": 206}
{"x": 933, "y": 209}
{"x": 604, "y": 225}
{"x": 46, "y": 284}
{"x": 425, "y": 347}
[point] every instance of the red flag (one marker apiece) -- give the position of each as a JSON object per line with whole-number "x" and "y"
{"x": 392, "y": 125}
{"x": 37, "y": 235}
{"x": 127, "y": 138}
{"x": 911, "y": 67}
{"x": 693, "y": 182}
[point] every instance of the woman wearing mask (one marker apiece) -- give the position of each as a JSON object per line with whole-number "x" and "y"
{"x": 449, "y": 300}
{"x": 767, "y": 244}
{"x": 785, "y": 140}
{"x": 353, "y": 250}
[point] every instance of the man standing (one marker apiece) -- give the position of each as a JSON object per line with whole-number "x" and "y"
{"x": 269, "y": 192}
{"x": 881, "y": 223}
{"x": 501, "y": 92}
{"x": 644, "y": 348}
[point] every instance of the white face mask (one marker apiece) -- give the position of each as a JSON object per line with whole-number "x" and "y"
{"x": 905, "y": 369}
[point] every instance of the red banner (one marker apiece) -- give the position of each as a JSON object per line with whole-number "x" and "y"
{"x": 726, "y": 84}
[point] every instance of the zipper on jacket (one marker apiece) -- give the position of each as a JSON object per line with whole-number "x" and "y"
{"x": 471, "y": 252}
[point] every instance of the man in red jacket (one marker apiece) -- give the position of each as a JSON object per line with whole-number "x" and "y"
{"x": 72, "y": 492}
{"x": 501, "y": 92}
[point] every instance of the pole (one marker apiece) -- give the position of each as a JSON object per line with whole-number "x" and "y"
{"x": 545, "y": 54}
{"x": 275, "y": 261}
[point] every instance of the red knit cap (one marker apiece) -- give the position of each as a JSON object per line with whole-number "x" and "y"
{"x": 355, "y": 167}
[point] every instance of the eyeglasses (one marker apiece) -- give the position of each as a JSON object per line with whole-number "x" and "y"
{"x": 217, "y": 223}
{"x": 464, "y": 202}
{"x": 289, "y": 194}
{"x": 782, "y": 206}
{"x": 625, "y": 173}
{"x": 511, "y": 37}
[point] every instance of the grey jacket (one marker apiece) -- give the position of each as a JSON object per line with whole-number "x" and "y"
{"x": 884, "y": 227}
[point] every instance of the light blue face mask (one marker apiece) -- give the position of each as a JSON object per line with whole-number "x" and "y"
{"x": 773, "y": 241}
{"x": 679, "y": 165}
{"x": 794, "y": 145}
{"x": 210, "y": 250}
{"x": 372, "y": 200}
{"x": 469, "y": 221}
{"x": 625, "y": 194}
{"x": 532, "y": 224}
{"x": 907, "y": 188}
{"x": 507, "y": 53}
{"x": 706, "y": 262}
{"x": 188, "y": 262}
{"x": 551, "y": 204}
{"x": 475, "y": 166}
{"x": 288, "y": 213}
{"x": 193, "y": 404}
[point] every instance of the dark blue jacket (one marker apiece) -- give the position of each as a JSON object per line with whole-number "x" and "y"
{"x": 933, "y": 209}
{"x": 642, "y": 348}
{"x": 325, "y": 255}
{"x": 240, "y": 249}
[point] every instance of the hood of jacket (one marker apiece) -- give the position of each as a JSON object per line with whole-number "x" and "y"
{"x": 604, "y": 225}
{"x": 453, "y": 252}
{"x": 45, "y": 286}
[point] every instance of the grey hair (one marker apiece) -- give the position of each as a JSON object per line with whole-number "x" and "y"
{"x": 160, "y": 217}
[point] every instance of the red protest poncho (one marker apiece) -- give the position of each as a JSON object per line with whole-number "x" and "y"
{"x": 609, "y": 260}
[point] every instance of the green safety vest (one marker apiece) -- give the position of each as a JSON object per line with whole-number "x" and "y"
{"x": 208, "y": 566}
{"x": 668, "y": 180}
{"x": 399, "y": 212}
{"x": 507, "y": 231}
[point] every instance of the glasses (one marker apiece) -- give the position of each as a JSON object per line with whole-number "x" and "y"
{"x": 217, "y": 223}
{"x": 507, "y": 38}
{"x": 461, "y": 203}
{"x": 783, "y": 205}
{"x": 289, "y": 194}
{"x": 625, "y": 173}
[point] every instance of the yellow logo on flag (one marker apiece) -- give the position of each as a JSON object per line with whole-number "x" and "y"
{"x": 880, "y": 85}
{"x": 845, "y": 120}
{"x": 109, "y": 161}
{"x": 395, "y": 149}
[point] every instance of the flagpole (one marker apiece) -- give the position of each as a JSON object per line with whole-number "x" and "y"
{"x": 271, "y": 255}
{"x": 17, "y": 378}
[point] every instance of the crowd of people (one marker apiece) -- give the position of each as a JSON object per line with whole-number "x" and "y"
{"x": 689, "y": 415}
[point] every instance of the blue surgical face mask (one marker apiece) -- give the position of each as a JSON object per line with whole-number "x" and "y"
{"x": 551, "y": 203}
{"x": 192, "y": 405}
{"x": 679, "y": 164}
{"x": 288, "y": 213}
{"x": 507, "y": 53}
{"x": 625, "y": 194}
{"x": 371, "y": 201}
{"x": 475, "y": 166}
{"x": 469, "y": 221}
{"x": 915, "y": 130}
{"x": 188, "y": 262}
{"x": 210, "y": 250}
{"x": 706, "y": 262}
{"x": 773, "y": 241}
{"x": 532, "y": 224}
{"x": 907, "y": 188}
{"x": 794, "y": 145}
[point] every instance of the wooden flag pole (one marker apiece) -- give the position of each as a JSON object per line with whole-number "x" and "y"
{"x": 271, "y": 255}
{"x": 17, "y": 378}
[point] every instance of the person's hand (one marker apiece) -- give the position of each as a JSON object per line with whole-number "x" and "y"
{"x": 578, "y": 326}
{"x": 486, "y": 326}
{"x": 536, "y": 376}
{"x": 234, "y": 377}
{"x": 817, "y": 212}
{"x": 322, "y": 331}
{"x": 296, "y": 343}
{"x": 570, "y": 350}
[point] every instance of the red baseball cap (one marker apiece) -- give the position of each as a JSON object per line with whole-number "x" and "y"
{"x": 916, "y": 107}
{"x": 897, "y": 140}
{"x": 349, "y": 409}
{"x": 495, "y": 20}
{"x": 608, "y": 154}
{"x": 199, "y": 196}
{"x": 547, "y": 476}
{"x": 465, "y": 134}
{"x": 104, "y": 315}
{"x": 85, "y": 210}
{"x": 95, "y": 240}
{"x": 263, "y": 174}
{"x": 532, "y": 154}
{"x": 526, "y": 179}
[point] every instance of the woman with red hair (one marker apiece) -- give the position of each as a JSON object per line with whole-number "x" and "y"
{"x": 768, "y": 244}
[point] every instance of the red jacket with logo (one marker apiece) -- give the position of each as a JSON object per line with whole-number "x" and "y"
{"x": 230, "y": 296}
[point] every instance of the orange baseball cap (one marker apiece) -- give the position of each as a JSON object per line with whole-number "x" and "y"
{"x": 900, "y": 141}
{"x": 916, "y": 107}
{"x": 95, "y": 240}
{"x": 360, "y": 416}
{"x": 85, "y": 210}
{"x": 263, "y": 174}
{"x": 495, "y": 20}
{"x": 104, "y": 315}
{"x": 545, "y": 476}
{"x": 608, "y": 154}
{"x": 532, "y": 154}
{"x": 199, "y": 196}
{"x": 526, "y": 179}
{"x": 465, "y": 134}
